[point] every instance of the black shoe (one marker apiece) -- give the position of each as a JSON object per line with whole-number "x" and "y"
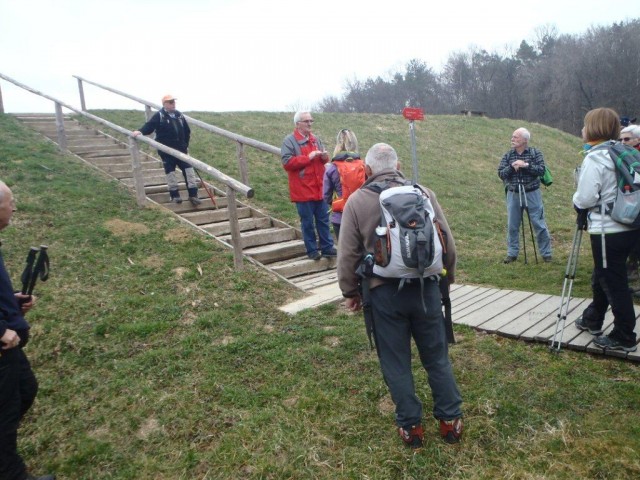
{"x": 315, "y": 255}
{"x": 510, "y": 259}
{"x": 582, "y": 325}
{"x": 195, "y": 201}
{"x": 548, "y": 259}
{"x": 330, "y": 253}
{"x": 176, "y": 200}
{"x": 412, "y": 436}
{"x": 607, "y": 342}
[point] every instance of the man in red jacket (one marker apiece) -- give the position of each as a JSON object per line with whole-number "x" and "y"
{"x": 303, "y": 157}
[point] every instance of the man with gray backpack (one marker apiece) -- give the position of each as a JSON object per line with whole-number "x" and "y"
{"x": 390, "y": 233}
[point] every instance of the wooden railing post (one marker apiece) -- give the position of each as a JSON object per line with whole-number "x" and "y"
{"x": 235, "y": 228}
{"x": 138, "y": 180}
{"x": 147, "y": 112}
{"x": 1, "y": 104}
{"x": 62, "y": 136}
{"x": 83, "y": 105}
{"x": 242, "y": 163}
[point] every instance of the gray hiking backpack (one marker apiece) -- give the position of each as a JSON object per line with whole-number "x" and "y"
{"x": 407, "y": 243}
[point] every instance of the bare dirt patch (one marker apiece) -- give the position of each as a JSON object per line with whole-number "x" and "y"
{"x": 178, "y": 235}
{"x": 120, "y": 228}
{"x": 154, "y": 261}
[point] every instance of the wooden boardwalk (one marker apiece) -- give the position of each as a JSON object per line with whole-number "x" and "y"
{"x": 508, "y": 313}
{"x": 527, "y": 316}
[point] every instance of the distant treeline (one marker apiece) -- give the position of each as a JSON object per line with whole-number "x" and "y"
{"x": 554, "y": 79}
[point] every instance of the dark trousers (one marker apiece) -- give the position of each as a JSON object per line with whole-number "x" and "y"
{"x": 610, "y": 285}
{"x": 399, "y": 316}
{"x": 18, "y": 389}
{"x": 169, "y": 162}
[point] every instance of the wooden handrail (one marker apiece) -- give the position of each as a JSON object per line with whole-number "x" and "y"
{"x": 220, "y": 131}
{"x": 216, "y": 174}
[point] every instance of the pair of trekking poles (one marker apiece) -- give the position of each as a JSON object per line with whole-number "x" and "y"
{"x": 37, "y": 267}
{"x": 524, "y": 206}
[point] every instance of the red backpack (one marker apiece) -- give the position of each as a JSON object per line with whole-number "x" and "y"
{"x": 351, "y": 179}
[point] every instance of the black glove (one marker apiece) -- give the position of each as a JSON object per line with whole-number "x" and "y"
{"x": 581, "y": 218}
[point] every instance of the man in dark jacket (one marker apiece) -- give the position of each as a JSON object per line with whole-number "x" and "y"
{"x": 413, "y": 311}
{"x": 18, "y": 385}
{"x": 173, "y": 131}
{"x": 520, "y": 170}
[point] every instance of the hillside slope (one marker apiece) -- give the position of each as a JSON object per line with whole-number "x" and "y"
{"x": 458, "y": 158}
{"x": 156, "y": 360}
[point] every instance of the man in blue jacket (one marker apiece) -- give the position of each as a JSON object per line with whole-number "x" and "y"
{"x": 173, "y": 131}
{"x": 18, "y": 385}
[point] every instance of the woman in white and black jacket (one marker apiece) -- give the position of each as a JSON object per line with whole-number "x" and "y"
{"x": 609, "y": 282}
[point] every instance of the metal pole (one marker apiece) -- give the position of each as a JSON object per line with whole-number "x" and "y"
{"x": 413, "y": 152}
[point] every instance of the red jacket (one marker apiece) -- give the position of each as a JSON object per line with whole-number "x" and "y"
{"x": 305, "y": 175}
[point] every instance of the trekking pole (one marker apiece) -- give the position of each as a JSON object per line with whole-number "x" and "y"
{"x": 524, "y": 237}
{"x": 533, "y": 240}
{"x": 40, "y": 269}
{"x": 413, "y": 114}
{"x": 206, "y": 188}
{"x": 27, "y": 273}
{"x": 567, "y": 286}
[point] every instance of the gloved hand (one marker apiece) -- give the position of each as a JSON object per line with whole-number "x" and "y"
{"x": 581, "y": 218}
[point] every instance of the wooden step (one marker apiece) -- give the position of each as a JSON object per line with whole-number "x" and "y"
{"x": 216, "y": 215}
{"x": 246, "y": 224}
{"x": 263, "y": 237}
{"x": 302, "y": 266}
{"x": 277, "y": 252}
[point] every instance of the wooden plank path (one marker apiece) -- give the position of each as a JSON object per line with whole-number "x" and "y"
{"x": 508, "y": 313}
{"x": 528, "y": 316}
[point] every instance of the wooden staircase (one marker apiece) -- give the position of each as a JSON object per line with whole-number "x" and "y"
{"x": 269, "y": 242}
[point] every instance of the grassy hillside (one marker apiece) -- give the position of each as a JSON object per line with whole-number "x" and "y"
{"x": 157, "y": 360}
{"x": 458, "y": 158}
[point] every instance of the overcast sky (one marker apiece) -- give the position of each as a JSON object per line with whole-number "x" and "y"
{"x": 263, "y": 55}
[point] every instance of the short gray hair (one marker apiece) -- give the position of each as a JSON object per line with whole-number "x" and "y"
{"x": 381, "y": 157}
{"x": 524, "y": 132}
{"x": 296, "y": 117}
{"x": 633, "y": 130}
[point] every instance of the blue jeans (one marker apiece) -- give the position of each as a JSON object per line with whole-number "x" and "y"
{"x": 318, "y": 211}
{"x": 398, "y": 316}
{"x": 515, "y": 215}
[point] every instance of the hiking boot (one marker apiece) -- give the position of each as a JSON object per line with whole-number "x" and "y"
{"x": 412, "y": 437}
{"x": 451, "y": 430}
{"x": 176, "y": 200}
{"x": 607, "y": 342}
{"x": 582, "y": 325}
{"x": 44, "y": 477}
{"x": 548, "y": 259}
{"x": 330, "y": 253}
{"x": 195, "y": 201}
{"x": 509, "y": 259}
{"x": 315, "y": 255}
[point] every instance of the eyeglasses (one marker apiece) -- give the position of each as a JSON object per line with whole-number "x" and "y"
{"x": 309, "y": 122}
{"x": 624, "y": 139}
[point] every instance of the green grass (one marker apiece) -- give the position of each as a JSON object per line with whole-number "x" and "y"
{"x": 157, "y": 360}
